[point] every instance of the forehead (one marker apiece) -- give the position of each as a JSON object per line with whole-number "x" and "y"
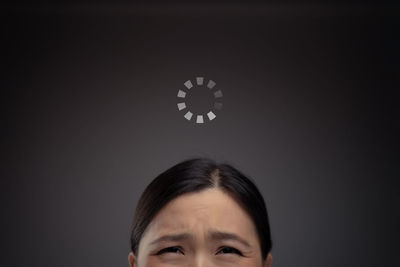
{"x": 199, "y": 212}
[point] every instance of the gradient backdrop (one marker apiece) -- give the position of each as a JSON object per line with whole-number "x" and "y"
{"x": 89, "y": 94}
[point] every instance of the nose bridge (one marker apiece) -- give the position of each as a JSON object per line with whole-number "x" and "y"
{"x": 202, "y": 260}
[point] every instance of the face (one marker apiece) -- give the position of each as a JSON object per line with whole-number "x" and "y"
{"x": 202, "y": 229}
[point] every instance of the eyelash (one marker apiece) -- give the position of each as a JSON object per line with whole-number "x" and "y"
{"x": 234, "y": 250}
{"x": 170, "y": 250}
{"x": 179, "y": 250}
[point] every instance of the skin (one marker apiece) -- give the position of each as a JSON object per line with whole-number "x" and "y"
{"x": 202, "y": 229}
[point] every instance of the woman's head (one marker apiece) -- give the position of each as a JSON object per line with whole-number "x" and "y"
{"x": 200, "y": 213}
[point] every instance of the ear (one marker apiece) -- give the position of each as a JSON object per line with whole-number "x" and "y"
{"x": 132, "y": 260}
{"x": 268, "y": 261}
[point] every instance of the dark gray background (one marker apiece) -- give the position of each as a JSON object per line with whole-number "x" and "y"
{"x": 90, "y": 118}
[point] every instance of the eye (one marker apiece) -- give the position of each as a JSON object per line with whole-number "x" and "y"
{"x": 229, "y": 250}
{"x": 176, "y": 250}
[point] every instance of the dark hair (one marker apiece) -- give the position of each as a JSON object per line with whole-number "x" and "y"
{"x": 195, "y": 175}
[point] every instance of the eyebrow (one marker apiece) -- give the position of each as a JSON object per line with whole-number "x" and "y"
{"x": 213, "y": 235}
{"x": 218, "y": 235}
{"x": 173, "y": 238}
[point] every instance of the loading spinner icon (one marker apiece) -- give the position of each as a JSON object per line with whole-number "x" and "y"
{"x": 199, "y": 118}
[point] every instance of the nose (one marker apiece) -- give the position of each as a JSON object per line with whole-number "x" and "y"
{"x": 202, "y": 260}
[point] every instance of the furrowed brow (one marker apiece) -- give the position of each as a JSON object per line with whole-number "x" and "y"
{"x": 172, "y": 238}
{"x": 218, "y": 235}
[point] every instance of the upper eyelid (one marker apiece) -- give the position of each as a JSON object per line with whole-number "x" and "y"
{"x": 180, "y": 249}
{"x": 164, "y": 250}
{"x": 237, "y": 251}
